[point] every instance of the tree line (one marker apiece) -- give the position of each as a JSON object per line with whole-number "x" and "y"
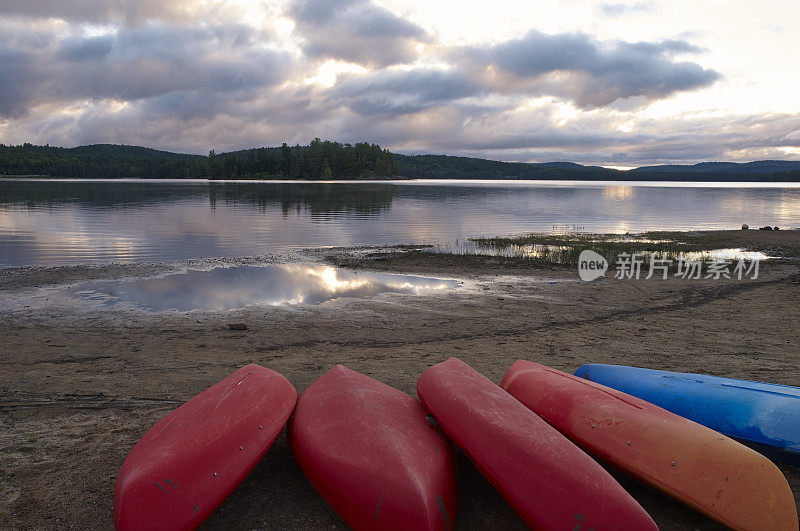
{"x": 320, "y": 160}
{"x": 325, "y": 160}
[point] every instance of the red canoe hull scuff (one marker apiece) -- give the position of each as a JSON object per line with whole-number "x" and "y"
{"x": 706, "y": 470}
{"x": 547, "y": 480}
{"x": 185, "y": 466}
{"x": 370, "y": 452}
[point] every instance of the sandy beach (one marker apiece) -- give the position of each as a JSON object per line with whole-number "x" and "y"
{"x": 80, "y": 387}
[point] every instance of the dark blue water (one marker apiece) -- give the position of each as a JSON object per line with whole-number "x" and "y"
{"x": 51, "y": 222}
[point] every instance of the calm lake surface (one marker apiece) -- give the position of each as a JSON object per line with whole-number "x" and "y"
{"x": 55, "y": 222}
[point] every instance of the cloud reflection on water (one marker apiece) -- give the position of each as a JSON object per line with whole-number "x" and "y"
{"x": 238, "y": 287}
{"x": 59, "y": 223}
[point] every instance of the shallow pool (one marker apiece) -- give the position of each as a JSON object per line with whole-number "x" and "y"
{"x": 232, "y": 288}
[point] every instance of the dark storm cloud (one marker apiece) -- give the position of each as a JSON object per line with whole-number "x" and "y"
{"x": 591, "y": 73}
{"x": 135, "y": 63}
{"x": 356, "y": 31}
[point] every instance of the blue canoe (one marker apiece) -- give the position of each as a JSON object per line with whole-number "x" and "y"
{"x": 762, "y": 415}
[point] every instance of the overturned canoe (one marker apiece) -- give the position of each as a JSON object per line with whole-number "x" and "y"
{"x": 191, "y": 460}
{"x": 706, "y": 470}
{"x": 370, "y": 452}
{"x": 762, "y": 415}
{"x": 547, "y": 480}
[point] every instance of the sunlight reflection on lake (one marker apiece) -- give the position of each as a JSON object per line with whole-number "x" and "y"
{"x": 242, "y": 286}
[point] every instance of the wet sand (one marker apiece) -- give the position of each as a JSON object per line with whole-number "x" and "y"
{"x": 79, "y": 388}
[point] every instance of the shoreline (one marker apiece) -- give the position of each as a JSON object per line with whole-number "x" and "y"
{"x": 697, "y": 183}
{"x": 83, "y": 387}
{"x": 783, "y": 245}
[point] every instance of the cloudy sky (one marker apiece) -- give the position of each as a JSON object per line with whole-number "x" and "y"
{"x": 614, "y": 83}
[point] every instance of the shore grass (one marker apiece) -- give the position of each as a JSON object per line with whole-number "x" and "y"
{"x": 426, "y": 259}
{"x": 565, "y": 249}
{"x": 562, "y": 251}
{"x": 776, "y": 244}
{"x": 648, "y": 241}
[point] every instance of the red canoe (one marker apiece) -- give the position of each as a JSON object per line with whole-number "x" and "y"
{"x": 371, "y": 453}
{"x": 700, "y": 467}
{"x": 191, "y": 460}
{"x": 547, "y": 480}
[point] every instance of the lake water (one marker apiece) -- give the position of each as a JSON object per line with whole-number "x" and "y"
{"x": 55, "y": 222}
{"x": 238, "y": 287}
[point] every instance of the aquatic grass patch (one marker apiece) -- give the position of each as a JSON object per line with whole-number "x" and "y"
{"x": 652, "y": 242}
{"x": 777, "y": 244}
{"x": 564, "y": 250}
{"x": 426, "y": 259}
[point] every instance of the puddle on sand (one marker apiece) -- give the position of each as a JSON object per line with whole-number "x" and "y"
{"x": 237, "y": 287}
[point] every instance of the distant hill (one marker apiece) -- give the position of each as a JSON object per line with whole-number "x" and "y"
{"x": 325, "y": 160}
{"x": 449, "y": 167}
{"x": 758, "y": 167}
{"x": 97, "y": 161}
{"x": 133, "y": 152}
{"x": 570, "y": 165}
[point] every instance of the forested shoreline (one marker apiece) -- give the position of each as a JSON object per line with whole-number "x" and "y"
{"x": 320, "y": 160}
{"x": 326, "y": 160}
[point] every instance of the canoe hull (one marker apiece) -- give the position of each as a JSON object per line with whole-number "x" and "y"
{"x": 547, "y": 480}
{"x": 368, "y": 449}
{"x": 762, "y": 415}
{"x": 186, "y": 465}
{"x": 706, "y": 470}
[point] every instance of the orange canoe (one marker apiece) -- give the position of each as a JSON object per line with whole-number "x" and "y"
{"x": 706, "y": 470}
